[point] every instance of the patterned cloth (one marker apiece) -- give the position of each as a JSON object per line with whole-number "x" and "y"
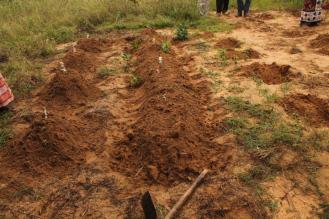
{"x": 312, "y": 11}
{"x": 6, "y": 96}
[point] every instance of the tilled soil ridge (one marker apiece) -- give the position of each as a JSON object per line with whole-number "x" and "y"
{"x": 171, "y": 139}
{"x": 54, "y": 141}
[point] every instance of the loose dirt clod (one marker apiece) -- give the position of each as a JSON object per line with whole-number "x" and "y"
{"x": 313, "y": 108}
{"x": 270, "y": 74}
{"x": 321, "y": 43}
{"x": 228, "y": 43}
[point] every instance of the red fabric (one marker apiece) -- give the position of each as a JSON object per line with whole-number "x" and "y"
{"x": 309, "y": 5}
{"x": 6, "y": 96}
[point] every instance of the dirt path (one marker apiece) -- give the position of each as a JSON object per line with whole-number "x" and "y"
{"x": 118, "y": 123}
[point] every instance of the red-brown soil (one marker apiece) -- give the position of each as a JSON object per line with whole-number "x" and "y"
{"x": 295, "y": 33}
{"x": 312, "y": 108}
{"x": 270, "y": 74}
{"x": 54, "y": 144}
{"x": 321, "y": 43}
{"x": 168, "y": 142}
{"x": 166, "y": 145}
{"x": 228, "y": 43}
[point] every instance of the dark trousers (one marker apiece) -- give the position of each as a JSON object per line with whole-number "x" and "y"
{"x": 243, "y": 7}
{"x": 222, "y": 5}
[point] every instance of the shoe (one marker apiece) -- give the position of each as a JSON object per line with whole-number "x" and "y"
{"x": 226, "y": 13}
{"x": 246, "y": 14}
{"x": 218, "y": 14}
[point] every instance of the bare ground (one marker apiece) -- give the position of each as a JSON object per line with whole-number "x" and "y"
{"x": 106, "y": 141}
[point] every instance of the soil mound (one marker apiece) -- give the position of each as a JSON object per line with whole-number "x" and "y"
{"x": 270, "y": 74}
{"x": 56, "y": 141}
{"x": 68, "y": 89}
{"x": 311, "y": 107}
{"x": 321, "y": 43}
{"x": 171, "y": 141}
{"x": 80, "y": 61}
{"x": 93, "y": 45}
{"x": 228, "y": 43}
{"x": 74, "y": 86}
{"x": 51, "y": 144}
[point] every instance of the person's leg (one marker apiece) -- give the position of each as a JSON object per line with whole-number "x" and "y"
{"x": 247, "y": 7}
{"x": 225, "y": 5}
{"x": 219, "y": 5}
{"x": 240, "y": 7}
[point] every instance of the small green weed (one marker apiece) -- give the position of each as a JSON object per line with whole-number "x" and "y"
{"x": 182, "y": 32}
{"x": 136, "y": 44}
{"x": 257, "y": 80}
{"x": 126, "y": 57}
{"x": 165, "y": 46}
{"x": 256, "y": 174}
{"x": 236, "y": 124}
{"x": 136, "y": 81}
{"x": 222, "y": 57}
{"x": 235, "y": 89}
{"x": 269, "y": 97}
{"x": 285, "y": 88}
{"x": 318, "y": 139}
{"x": 104, "y": 72}
{"x": 287, "y": 134}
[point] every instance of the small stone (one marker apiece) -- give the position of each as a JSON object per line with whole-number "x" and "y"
{"x": 153, "y": 171}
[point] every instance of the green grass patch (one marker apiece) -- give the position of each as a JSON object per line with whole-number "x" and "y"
{"x": 269, "y": 97}
{"x": 222, "y": 57}
{"x": 318, "y": 139}
{"x": 104, "y": 72}
{"x": 235, "y": 89}
{"x": 165, "y": 46}
{"x": 212, "y": 24}
{"x": 239, "y": 105}
{"x": 182, "y": 32}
